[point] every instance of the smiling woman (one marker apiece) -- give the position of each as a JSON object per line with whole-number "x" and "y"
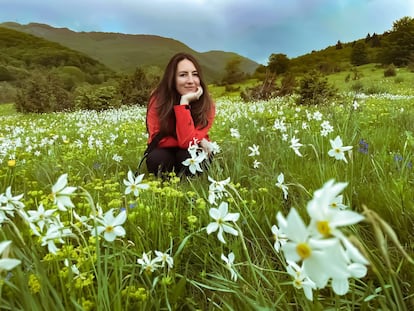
{"x": 180, "y": 114}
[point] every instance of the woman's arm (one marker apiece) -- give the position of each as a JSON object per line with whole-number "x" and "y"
{"x": 186, "y": 131}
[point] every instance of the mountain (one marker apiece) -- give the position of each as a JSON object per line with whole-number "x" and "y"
{"x": 125, "y": 52}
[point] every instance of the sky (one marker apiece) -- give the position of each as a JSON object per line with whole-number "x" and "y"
{"x": 252, "y": 28}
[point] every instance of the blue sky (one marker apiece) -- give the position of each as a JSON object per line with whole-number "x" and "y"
{"x": 252, "y": 28}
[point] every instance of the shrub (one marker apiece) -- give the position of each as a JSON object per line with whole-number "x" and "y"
{"x": 43, "y": 93}
{"x": 315, "y": 89}
{"x": 390, "y": 71}
{"x": 96, "y": 98}
{"x": 136, "y": 88}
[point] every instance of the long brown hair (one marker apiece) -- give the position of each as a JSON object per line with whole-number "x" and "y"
{"x": 166, "y": 96}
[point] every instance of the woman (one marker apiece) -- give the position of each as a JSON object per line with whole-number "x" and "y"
{"x": 179, "y": 111}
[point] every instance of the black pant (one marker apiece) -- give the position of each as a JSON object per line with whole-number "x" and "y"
{"x": 165, "y": 160}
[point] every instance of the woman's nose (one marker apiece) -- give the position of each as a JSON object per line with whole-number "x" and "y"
{"x": 190, "y": 79}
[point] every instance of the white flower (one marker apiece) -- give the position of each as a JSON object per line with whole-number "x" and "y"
{"x": 280, "y": 184}
{"x": 221, "y": 216}
{"x": 209, "y": 147}
{"x": 147, "y": 264}
{"x": 41, "y": 217}
{"x": 295, "y": 145}
{"x": 229, "y": 264}
{"x": 279, "y": 237}
{"x": 61, "y": 193}
{"x": 7, "y": 263}
{"x": 234, "y": 133}
{"x": 254, "y": 151}
{"x": 256, "y": 164}
{"x": 164, "y": 259}
{"x": 321, "y": 259}
{"x": 300, "y": 279}
{"x": 338, "y": 149}
{"x": 10, "y": 202}
{"x": 134, "y": 184}
{"x": 194, "y": 162}
{"x": 111, "y": 226}
{"x": 55, "y": 234}
{"x": 117, "y": 158}
{"x": 325, "y": 219}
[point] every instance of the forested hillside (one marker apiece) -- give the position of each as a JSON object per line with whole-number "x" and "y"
{"x": 126, "y": 52}
{"x": 22, "y": 53}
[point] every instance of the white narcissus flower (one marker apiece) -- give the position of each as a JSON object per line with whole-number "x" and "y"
{"x": 280, "y": 184}
{"x": 234, "y": 133}
{"x": 338, "y": 150}
{"x": 324, "y": 219}
{"x": 111, "y": 226}
{"x": 229, "y": 264}
{"x": 300, "y": 279}
{"x": 221, "y": 216}
{"x": 217, "y": 189}
{"x": 194, "y": 162}
{"x": 61, "y": 193}
{"x": 279, "y": 237}
{"x": 295, "y": 145}
{"x": 321, "y": 259}
{"x": 147, "y": 264}
{"x": 8, "y": 202}
{"x": 254, "y": 151}
{"x": 7, "y": 263}
{"x": 134, "y": 184}
{"x": 164, "y": 259}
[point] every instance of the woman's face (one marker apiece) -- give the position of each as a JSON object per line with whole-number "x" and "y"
{"x": 186, "y": 77}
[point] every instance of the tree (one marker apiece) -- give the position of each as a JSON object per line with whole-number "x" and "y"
{"x": 43, "y": 93}
{"x": 315, "y": 89}
{"x": 359, "y": 55}
{"x": 278, "y": 63}
{"x": 399, "y": 43}
{"x": 338, "y": 45}
{"x": 136, "y": 89}
{"x": 233, "y": 73}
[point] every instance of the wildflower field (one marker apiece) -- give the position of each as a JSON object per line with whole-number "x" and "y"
{"x": 302, "y": 208}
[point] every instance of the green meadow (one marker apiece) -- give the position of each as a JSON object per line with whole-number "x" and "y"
{"x": 86, "y": 234}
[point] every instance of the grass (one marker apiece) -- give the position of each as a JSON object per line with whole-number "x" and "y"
{"x": 97, "y": 150}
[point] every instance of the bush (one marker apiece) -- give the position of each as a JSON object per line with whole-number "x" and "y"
{"x": 96, "y": 98}
{"x": 315, "y": 89}
{"x": 43, "y": 93}
{"x": 390, "y": 71}
{"x": 136, "y": 88}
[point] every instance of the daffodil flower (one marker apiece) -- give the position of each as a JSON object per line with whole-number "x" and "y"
{"x": 134, "y": 184}
{"x": 221, "y": 216}
{"x": 321, "y": 259}
{"x": 295, "y": 145}
{"x": 111, "y": 226}
{"x": 230, "y": 265}
{"x": 194, "y": 162}
{"x": 7, "y": 263}
{"x": 300, "y": 279}
{"x": 164, "y": 259}
{"x": 254, "y": 151}
{"x": 281, "y": 184}
{"x": 61, "y": 193}
{"x": 338, "y": 150}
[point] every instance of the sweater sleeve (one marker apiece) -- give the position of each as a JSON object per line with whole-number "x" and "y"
{"x": 185, "y": 129}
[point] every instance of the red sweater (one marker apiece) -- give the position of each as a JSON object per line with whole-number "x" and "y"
{"x": 185, "y": 129}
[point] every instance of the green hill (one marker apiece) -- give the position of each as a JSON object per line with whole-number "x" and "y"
{"x": 21, "y": 54}
{"x": 125, "y": 52}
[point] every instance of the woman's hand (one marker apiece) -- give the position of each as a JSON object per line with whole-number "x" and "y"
{"x": 192, "y": 96}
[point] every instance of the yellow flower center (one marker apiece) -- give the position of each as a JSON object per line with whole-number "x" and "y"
{"x": 303, "y": 250}
{"x": 323, "y": 228}
{"x": 109, "y": 229}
